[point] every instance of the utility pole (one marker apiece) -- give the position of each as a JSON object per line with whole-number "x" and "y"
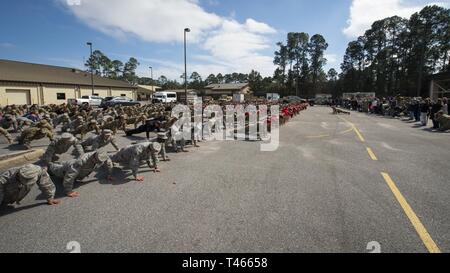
{"x": 92, "y": 69}
{"x": 186, "y": 30}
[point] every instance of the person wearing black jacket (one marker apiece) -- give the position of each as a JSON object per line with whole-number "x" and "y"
{"x": 435, "y": 108}
{"x": 151, "y": 125}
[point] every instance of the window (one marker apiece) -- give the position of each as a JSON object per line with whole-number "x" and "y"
{"x": 123, "y": 95}
{"x": 60, "y": 96}
{"x": 171, "y": 95}
{"x": 96, "y": 95}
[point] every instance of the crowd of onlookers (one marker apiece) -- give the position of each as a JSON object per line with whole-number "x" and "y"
{"x": 414, "y": 108}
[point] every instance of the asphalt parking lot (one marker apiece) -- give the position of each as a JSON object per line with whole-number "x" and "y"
{"x": 336, "y": 184}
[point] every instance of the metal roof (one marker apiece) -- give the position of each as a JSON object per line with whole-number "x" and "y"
{"x": 13, "y": 71}
{"x": 227, "y": 86}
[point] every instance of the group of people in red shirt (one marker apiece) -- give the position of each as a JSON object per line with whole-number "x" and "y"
{"x": 287, "y": 112}
{"x": 291, "y": 110}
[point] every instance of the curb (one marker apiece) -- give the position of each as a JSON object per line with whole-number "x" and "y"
{"x": 17, "y": 159}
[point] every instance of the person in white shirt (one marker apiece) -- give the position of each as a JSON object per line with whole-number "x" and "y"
{"x": 445, "y": 106}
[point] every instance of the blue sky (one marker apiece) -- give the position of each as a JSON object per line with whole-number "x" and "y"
{"x": 227, "y": 35}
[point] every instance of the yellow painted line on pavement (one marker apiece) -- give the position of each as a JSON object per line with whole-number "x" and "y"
{"x": 320, "y": 136}
{"x": 372, "y": 154}
{"x": 358, "y": 133}
{"x": 346, "y": 131}
{"x": 415, "y": 221}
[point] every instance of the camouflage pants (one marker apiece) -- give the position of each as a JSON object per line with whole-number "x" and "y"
{"x": 57, "y": 170}
{"x": 28, "y": 138}
{"x": 6, "y": 135}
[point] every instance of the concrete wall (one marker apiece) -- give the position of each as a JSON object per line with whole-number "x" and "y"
{"x": 47, "y": 94}
{"x": 101, "y": 91}
{"x": 128, "y": 93}
{"x": 50, "y": 93}
{"x": 32, "y": 88}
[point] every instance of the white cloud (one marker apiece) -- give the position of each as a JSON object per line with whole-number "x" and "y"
{"x": 240, "y": 44}
{"x": 257, "y": 27}
{"x": 230, "y": 45}
{"x": 153, "y": 21}
{"x": 333, "y": 61}
{"x": 363, "y": 13}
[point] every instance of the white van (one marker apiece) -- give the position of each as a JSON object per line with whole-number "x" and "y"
{"x": 165, "y": 97}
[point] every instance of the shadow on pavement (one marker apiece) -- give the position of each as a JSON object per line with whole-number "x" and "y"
{"x": 6, "y": 210}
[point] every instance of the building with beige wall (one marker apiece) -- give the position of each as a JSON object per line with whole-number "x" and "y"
{"x": 27, "y": 83}
{"x": 145, "y": 92}
{"x": 228, "y": 89}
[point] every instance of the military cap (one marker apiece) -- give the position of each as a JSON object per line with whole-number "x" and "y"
{"x": 67, "y": 136}
{"x": 79, "y": 117}
{"x": 107, "y": 132}
{"x": 155, "y": 147}
{"x": 102, "y": 156}
{"x": 30, "y": 172}
{"x": 93, "y": 121}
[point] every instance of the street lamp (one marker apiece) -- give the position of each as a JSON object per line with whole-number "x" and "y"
{"x": 186, "y": 30}
{"x": 92, "y": 69}
{"x": 151, "y": 68}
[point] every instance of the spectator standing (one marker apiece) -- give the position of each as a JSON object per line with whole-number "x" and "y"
{"x": 435, "y": 108}
{"x": 445, "y": 106}
{"x": 425, "y": 112}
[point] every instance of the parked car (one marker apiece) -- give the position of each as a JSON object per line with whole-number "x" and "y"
{"x": 122, "y": 101}
{"x": 165, "y": 97}
{"x": 87, "y": 100}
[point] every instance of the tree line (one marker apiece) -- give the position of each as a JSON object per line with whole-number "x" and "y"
{"x": 394, "y": 57}
{"x": 300, "y": 64}
{"x": 397, "y": 55}
{"x": 103, "y": 66}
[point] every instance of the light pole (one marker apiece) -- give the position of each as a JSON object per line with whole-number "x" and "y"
{"x": 186, "y": 30}
{"x": 92, "y": 69}
{"x": 152, "y": 83}
{"x": 151, "y": 69}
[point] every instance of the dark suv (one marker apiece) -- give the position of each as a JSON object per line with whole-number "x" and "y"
{"x": 122, "y": 101}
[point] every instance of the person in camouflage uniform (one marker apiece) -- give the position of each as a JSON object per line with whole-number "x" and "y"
{"x": 86, "y": 128}
{"x": 48, "y": 118}
{"x": 79, "y": 169}
{"x": 163, "y": 140}
{"x": 114, "y": 126}
{"x": 79, "y": 121}
{"x": 177, "y": 139}
{"x": 16, "y": 183}
{"x": 9, "y": 121}
{"x": 42, "y": 129}
{"x": 6, "y": 134}
{"x": 135, "y": 120}
{"x": 94, "y": 143}
{"x": 132, "y": 156}
{"x": 60, "y": 146}
{"x": 61, "y": 119}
